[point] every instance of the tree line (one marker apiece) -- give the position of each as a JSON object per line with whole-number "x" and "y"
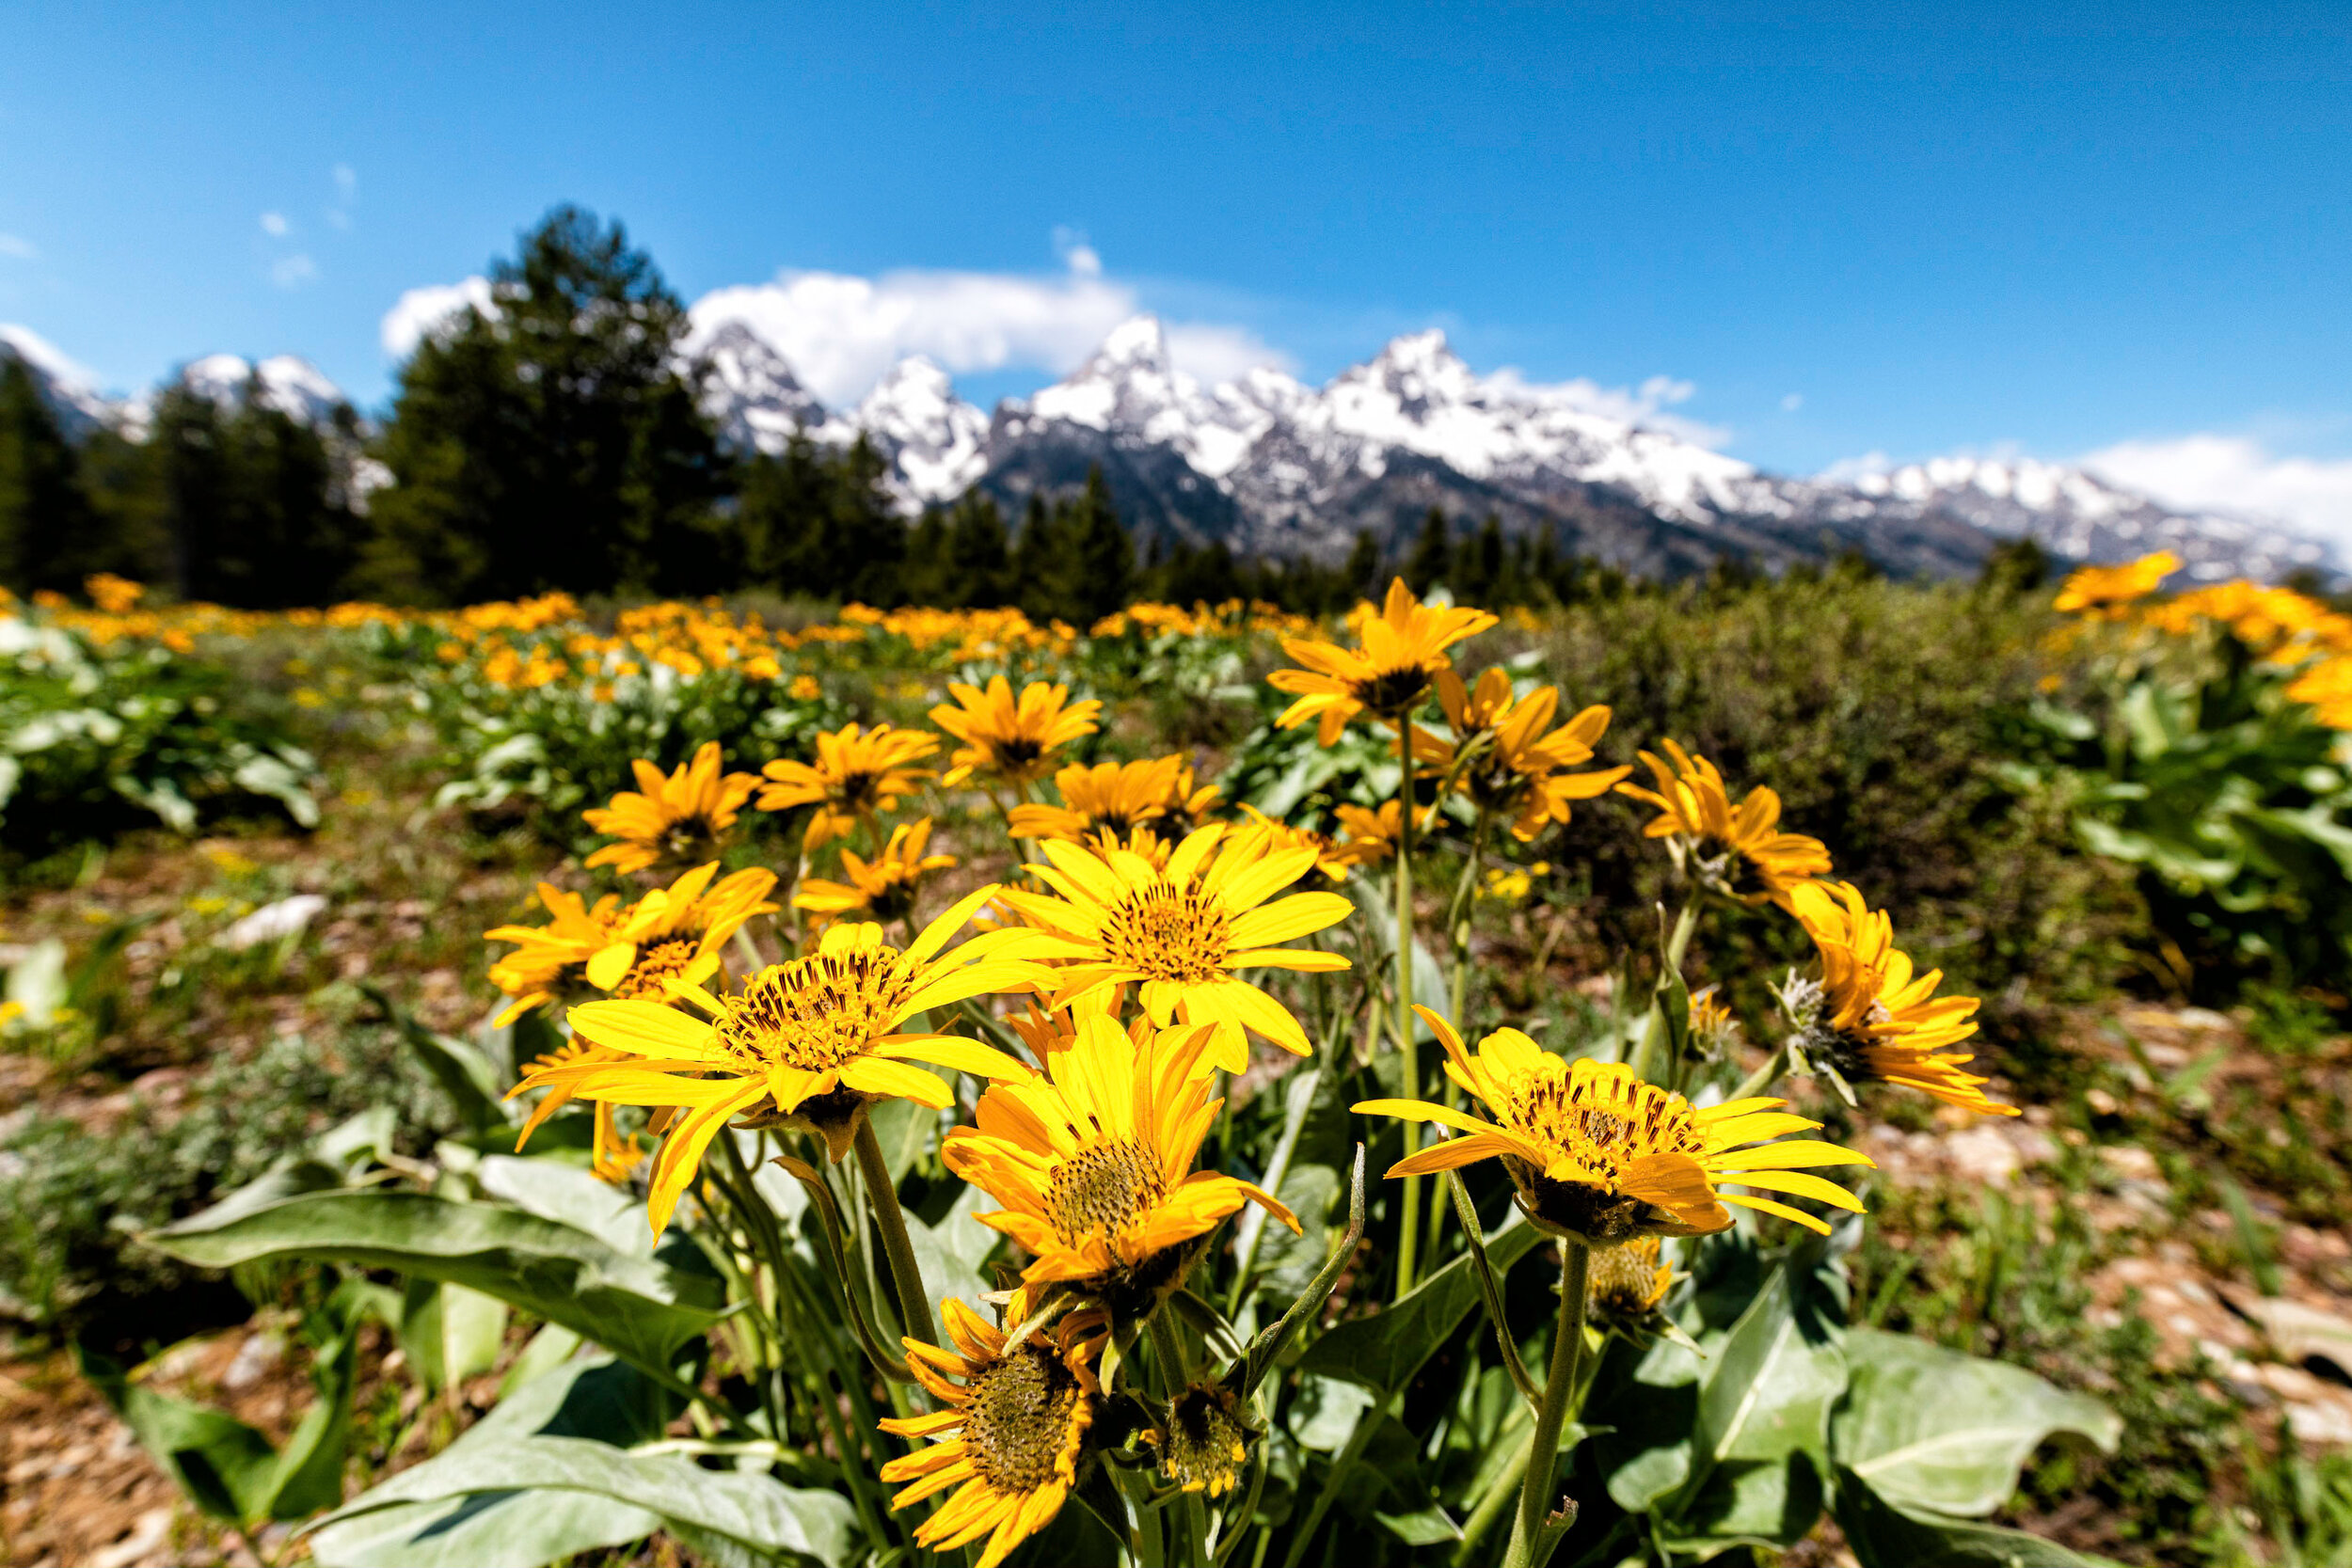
{"x": 553, "y": 440}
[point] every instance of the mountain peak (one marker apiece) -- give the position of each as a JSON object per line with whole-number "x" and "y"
{"x": 1139, "y": 340}
{"x": 286, "y": 382}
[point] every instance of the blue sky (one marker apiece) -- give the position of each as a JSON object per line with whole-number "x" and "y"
{"x": 1906, "y": 230}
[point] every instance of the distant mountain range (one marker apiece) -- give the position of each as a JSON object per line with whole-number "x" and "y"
{"x": 1272, "y": 466}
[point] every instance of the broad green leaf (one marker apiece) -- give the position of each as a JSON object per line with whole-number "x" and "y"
{"x": 1883, "y": 1535}
{"x": 557, "y": 1189}
{"x": 458, "y": 1066}
{"x": 745, "y": 1509}
{"x": 1764, "y": 1400}
{"x": 224, "y": 1466}
{"x": 1324, "y": 1412}
{"x": 594, "y": 1398}
{"x": 639, "y": 1309}
{"x": 1426, "y": 1527}
{"x": 1377, "y": 909}
{"x": 1384, "y": 1352}
{"x": 1930, "y": 1428}
{"x": 953, "y": 1253}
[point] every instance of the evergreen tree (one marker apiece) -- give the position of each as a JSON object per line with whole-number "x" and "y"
{"x": 1102, "y": 558}
{"x": 547, "y": 440}
{"x": 980, "y": 557}
{"x": 1479, "y": 566}
{"x": 1432, "y": 561}
{"x": 253, "y": 501}
{"x": 1361, "y": 574}
{"x": 817, "y": 522}
{"x": 44, "y": 520}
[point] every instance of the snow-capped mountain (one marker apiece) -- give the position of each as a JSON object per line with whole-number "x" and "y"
{"x": 936, "y": 443}
{"x": 292, "y": 386}
{"x": 2075, "y": 514}
{"x": 749, "y": 391}
{"x": 71, "y": 391}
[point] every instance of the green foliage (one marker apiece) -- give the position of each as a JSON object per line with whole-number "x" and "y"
{"x": 814, "y": 523}
{"x": 89, "y": 736}
{"x": 1073, "y": 561}
{"x": 256, "y": 504}
{"x": 44, "y": 518}
{"x": 72, "y": 1196}
{"x": 546, "y": 441}
{"x": 2232, "y": 801}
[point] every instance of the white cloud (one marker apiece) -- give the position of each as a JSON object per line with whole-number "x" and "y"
{"x": 292, "y": 272}
{"x": 841, "y": 332}
{"x": 2236, "y": 474}
{"x": 275, "y": 225}
{"x": 18, "y": 248}
{"x": 1793, "y": 402}
{"x": 1869, "y": 465}
{"x": 420, "y": 310}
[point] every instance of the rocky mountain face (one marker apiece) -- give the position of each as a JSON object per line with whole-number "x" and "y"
{"x": 1271, "y": 467}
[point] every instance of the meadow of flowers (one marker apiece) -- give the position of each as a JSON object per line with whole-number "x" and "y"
{"x": 932, "y": 1090}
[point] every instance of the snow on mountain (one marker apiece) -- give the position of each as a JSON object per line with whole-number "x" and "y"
{"x": 750, "y": 392}
{"x": 2072, "y": 512}
{"x": 1130, "y": 389}
{"x": 936, "y": 443}
{"x": 70, "y": 391}
{"x": 292, "y": 386}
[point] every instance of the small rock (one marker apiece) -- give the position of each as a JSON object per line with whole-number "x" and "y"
{"x": 256, "y": 1357}
{"x": 272, "y": 921}
{"x": 149, "y": 1536}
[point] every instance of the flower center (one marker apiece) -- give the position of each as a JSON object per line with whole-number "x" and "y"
{"x": 1014, "y": 752}
{"x": 1392, "y": 691}
{"x": 1168, "y": 933}
{"x": 663, "y": 960}
{"x": 1628, "y": 1281}
{"x": 814, "y": 1013}
{"x": 860, "y": 788}
{"x": 1604, "y": 1138}
{"x": 1097, "y": 1190}
{"x": 1206, "y": 1442}
{"x": 1017, "y": 1422}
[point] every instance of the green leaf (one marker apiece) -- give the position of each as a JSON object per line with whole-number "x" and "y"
{"x": 594, "y": 1398}
{"x": 224, "y": 1466}
{"x": 1427, "y": 1526}
{"x": 954, "y": 1253}
{"x": 1384, "y": 1352}
{"x": 461, "y": 1069}
{"x": 1763, "y": 1400}
{"x": 1930, "y": 1428}
{"x": 751, "y": 1511}
{"x": 559, "y": 1190}
{"x": 1884, "y": 1536}
{"x": 1429, "y": 983}
{"x": 643, "y": 1310}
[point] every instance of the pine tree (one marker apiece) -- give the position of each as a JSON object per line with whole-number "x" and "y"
{"x": 547, "y": 440}
{"x": 44, "y": 520}
{"x": 1102, "y": 558}
{"x": 1361, "y": 574}
{"x": 979, "y": 554}
{"x": 1432, "y": 561}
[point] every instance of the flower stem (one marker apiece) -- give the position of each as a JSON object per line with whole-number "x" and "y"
{"x": 1192, "y": 1546}
{"x": 1408, "y": 1048}
{"x": 1763, "y": 1078}
{"x": 906, "y": 1276}
{"x": 1654, "y": 1023}
{"x": 1532, "y": 1537}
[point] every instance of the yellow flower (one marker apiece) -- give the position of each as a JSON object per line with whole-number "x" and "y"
{"x": 549, "y": 958}
{"x": 1111, "y": 798}
{"x": 1386, "y": 676}
{"x": 611, "y": 1156}
{"x": 1010, "y": 742}
{"x": 2327, "y": 688}
{"x": 678, "y": 932}
{"x": 804, "y": 689}
{"x": 1370, "y": 835}
{"x": 1094, "y": 1162}
{"x": 810, "y": 1043}
{"x": 856, "y": 774}
{"x": 1180, "y": 931}
{"x": 679, "y": 816}
{"x": 1204, "y": 1439}
{"x": 1011, "y": 1437}
{"x": 2107, "y": 592}
{"x": 1627, "y": 1283}
{"x": 1503, "y": 761}
{"x": 1699, "y": 816}
{"x": 1598, "y": 1154}
{"x": 883, "y": 890}
{"x": 1878, "y": 1020}
{"x": 1332, "y": 857}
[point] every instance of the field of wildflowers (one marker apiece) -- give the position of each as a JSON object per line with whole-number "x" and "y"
{"x": 749, "y": 1084}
